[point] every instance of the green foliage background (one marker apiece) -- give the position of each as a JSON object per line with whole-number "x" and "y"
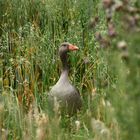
{"x": 30, "y": 34}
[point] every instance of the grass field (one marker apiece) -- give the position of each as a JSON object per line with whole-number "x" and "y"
{"x": 106, "y": 69}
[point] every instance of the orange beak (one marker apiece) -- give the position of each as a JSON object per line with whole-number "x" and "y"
{"x": 72, "y": 47}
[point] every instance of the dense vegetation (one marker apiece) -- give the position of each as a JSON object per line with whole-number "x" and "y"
{"x": 106, "y": 69}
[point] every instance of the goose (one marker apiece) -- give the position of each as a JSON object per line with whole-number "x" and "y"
{"x": 63, "y": 92}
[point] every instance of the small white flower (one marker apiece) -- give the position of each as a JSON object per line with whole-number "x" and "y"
{"x": 77, "y": 123}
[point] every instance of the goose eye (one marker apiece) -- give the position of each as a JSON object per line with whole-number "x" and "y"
{"x": 65, "y": 45}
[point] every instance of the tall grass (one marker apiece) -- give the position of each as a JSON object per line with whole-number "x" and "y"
{"x": 30, "y": 34}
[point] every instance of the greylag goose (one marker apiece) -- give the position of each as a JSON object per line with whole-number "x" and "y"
{"x": 63, "y": 92}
